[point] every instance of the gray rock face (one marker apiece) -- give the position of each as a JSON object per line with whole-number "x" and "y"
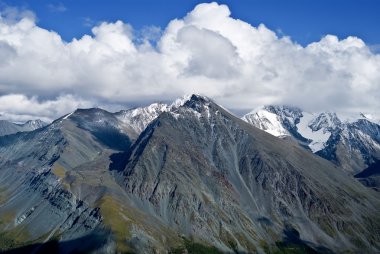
{"x": 214, "y": 177}
{"x": 354, "y": 146}
{"x": 38, "y": 205}
{"x": 55, "y": 185}
{"x": 91, "y": 179}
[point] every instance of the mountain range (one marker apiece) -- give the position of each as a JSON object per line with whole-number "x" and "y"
{"x": 7, "y": 127}
{"x": 189, "y": 177}
{"x": 351, "y": 142}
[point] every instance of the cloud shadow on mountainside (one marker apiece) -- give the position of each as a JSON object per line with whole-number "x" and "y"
{"x": 85, "y": 244}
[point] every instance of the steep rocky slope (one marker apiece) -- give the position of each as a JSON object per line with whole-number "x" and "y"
{"x": 37, "y": 204}
{"x": 190, "y": 173}
{"x": 213, "y": 177}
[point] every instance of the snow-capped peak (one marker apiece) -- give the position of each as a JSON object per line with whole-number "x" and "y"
{"x": 154, "y": 109}
{"x": 312, "y": 129}
{"x": 139, "y": 118}
{"x": 324, "y": 120}
{"x": 316, "y": 128}
{"x": 34, "y": 124}
{"x": 180, "y": 101}
{"x": 267, "y": 121}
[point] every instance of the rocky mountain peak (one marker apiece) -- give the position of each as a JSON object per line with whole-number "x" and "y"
{"x": 326, "y": 120}
{"x": 284, "y": 110}
{"x": 197, "y": 102}
{"x": 35, "y": 124}
{"x": 351, "y": 141}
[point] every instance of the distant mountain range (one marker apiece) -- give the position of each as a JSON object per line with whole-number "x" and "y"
{"x": 7, "y": 128}
{"x": 189, "y": 177}
{"x": 351, "y": 142}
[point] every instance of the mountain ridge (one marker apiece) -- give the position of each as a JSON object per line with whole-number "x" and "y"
{"x": 195, "y": 172}
{"x": 352, "y": 142}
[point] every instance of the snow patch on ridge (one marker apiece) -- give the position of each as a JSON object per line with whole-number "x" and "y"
{"x": 139, "y": 118}
{"x": 266, "y": 121}
{"x": 67, "y": 116}
{"x": 319, "y": 137}
{"x": 180, "y": 101}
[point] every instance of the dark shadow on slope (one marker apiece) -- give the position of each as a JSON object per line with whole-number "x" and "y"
{"x": 85, "y": 244}
{"x": 103, "y": 126}
{"x": 112, "y": 138}
{"x": 370, "y": 177}
{"x": 293, "y": 244}
{"x": 120, "y": 160}
{"x": 373, "y": 169}
{"x": 265, "y": 221}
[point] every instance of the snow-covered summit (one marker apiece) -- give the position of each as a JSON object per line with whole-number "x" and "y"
{"x": 314, "y": 128}
{"x": 34, "y": 124}
{"x": 180, "y": 101}
{"x": 139, "y": 118}
{"x": 334, "y": 136}
{"x": 267, "y": 121}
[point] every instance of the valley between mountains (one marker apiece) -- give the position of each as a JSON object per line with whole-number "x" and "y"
{"x": 191, "y": 177}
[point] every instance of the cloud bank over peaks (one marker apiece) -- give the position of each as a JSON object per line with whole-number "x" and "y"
{"x": 19, "y": 108}
{"x": 207, "y": 52}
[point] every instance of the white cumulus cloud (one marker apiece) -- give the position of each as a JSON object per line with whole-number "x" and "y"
{"x": 209, "y": 52}
{"x": 18, "y": 107}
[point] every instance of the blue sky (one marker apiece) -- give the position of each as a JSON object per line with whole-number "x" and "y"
{"x": 304, "y": 20}
{"x": 315, "y": 54}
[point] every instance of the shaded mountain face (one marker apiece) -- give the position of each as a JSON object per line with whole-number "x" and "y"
{"x": 7, "y": 128}
{"x": 193, "y": 170}
{"x": 370, "y": 176}
{"x": 352, "y": 142}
